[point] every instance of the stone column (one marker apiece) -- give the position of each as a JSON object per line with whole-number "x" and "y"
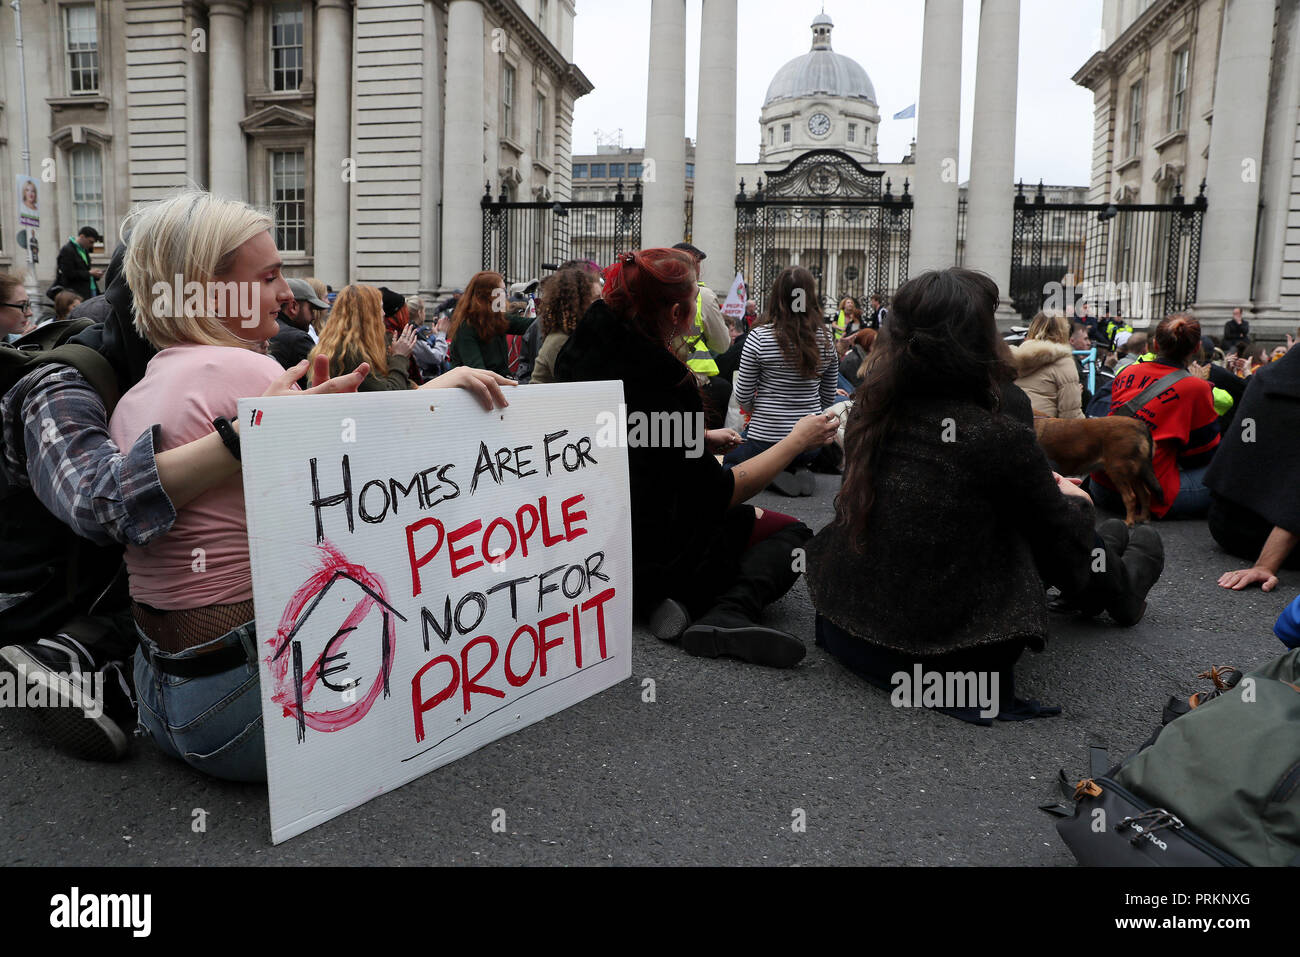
{"x": 463, "y": 172}
{"x": 330, "y": 234}
{"x": 663, "y": 218}
{"x": 934, "y": 215}
{"x": 715, "y": 145}
{"x": 1236, "y": 145}
{"x": 227, "y": 152}
{"x": 431, "y": 140}
{"x": 1277, "y": 176}
{"x": 993, "y": 146}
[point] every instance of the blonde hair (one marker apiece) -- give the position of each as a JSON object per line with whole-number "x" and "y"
{"x": 195, "y": 236}
{"x": 1052, "y": 326}
{"x": 354, "y": 332}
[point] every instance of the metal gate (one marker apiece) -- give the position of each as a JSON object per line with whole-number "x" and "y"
{"x": 523, "y": 240}
{"x": 1139, "y": 261}
{"x": 829, "y": 214}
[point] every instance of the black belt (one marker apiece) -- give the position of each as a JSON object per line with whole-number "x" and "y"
{"x": 199, "y": 666}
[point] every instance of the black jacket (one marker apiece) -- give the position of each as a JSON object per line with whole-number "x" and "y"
{"x": 962, "y": 536}
{"x": 73, "y": 272}
{"x": 290, "y": 346}
{"x": 1257, "y": 465}
{"x": 685, "y": 534}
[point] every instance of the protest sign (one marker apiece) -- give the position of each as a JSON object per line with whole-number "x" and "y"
{"x": 29, "y": 208}
{"x": 734, "y": 306}
{"x": 428, "y": 577}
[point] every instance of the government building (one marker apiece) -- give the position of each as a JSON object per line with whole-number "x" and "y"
{"x": 370, "y": 128}
{"x": 1193, "y": 90}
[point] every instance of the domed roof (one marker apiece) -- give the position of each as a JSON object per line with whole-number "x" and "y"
{"x": 821, "y": 71}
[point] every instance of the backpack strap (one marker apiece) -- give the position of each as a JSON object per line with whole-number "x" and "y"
{"x": 1130, "y": 408}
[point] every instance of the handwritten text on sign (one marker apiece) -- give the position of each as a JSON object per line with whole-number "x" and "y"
{"x": 428, "y": 577}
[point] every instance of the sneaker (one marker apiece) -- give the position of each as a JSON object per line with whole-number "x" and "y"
{"x": 78, "y": 718}
{"x": 787, "y": 483}
{"x": 669, "y": 620}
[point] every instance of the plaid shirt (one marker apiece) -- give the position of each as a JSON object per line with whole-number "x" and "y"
{"x": 56, "y": 440}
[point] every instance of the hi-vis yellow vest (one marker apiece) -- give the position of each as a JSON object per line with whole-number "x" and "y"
{"x": 701, "y": 359}
{"x": 841, "y": 322}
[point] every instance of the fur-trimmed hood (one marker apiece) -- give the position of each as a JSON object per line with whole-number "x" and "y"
{"x": 1033, "y": 354}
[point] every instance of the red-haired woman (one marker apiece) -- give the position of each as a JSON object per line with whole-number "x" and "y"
{"x": 480, "y": 324}
{"x": 1181, "y": 415}
{"x": 704, "y": 564}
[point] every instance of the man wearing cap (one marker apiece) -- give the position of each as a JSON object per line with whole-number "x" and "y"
{"x": 74, "y": 270}
{"x": 293, "y": 342}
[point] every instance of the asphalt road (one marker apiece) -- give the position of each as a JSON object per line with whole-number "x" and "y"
{"x": 714, "y": 771}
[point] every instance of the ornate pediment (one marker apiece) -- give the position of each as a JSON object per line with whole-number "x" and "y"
{"x": 277, "y": 118}
{"x": 825, "y": 174}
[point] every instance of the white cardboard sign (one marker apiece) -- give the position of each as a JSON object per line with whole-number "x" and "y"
{"x": 428, "y": 577}
{"x": 737, "y": 296}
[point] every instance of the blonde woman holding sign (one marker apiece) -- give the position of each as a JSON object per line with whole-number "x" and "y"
{"x": 196, "y": 670}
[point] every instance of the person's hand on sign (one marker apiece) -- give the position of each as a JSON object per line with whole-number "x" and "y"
{"x": 482, "y": 384}
{"x": 287, "y": 384}
{"x": 721, "y": 441}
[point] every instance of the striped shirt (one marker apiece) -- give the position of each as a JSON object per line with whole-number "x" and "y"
{"x": 768, "y": 385}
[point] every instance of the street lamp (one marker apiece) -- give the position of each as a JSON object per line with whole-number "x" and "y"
{"x": 26, "y": 154}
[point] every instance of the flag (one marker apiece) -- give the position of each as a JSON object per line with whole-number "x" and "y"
{"x": 906, "y": 114}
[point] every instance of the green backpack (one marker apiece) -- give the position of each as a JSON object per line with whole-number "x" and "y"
{"x": 1218, "y": 785}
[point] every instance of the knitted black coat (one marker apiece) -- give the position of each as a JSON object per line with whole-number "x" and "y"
{"x": 961, "y": 538}
{"x": 1257, "y": 465}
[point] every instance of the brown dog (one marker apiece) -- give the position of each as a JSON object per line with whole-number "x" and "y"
{"x": 1119, "y": 445}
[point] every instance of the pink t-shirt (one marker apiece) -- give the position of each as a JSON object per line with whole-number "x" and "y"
{"x": 203, "y": 560}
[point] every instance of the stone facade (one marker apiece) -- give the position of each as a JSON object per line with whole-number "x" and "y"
{"x": 340, "y": 116}
{"x": 1196, "y": 90}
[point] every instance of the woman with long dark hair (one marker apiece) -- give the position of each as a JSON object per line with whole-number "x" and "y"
{"x": 480, "y": 324}
{"x": 788, "y": 369}
{"x": 950, "y": 520}
{"x": 704, "y": 564}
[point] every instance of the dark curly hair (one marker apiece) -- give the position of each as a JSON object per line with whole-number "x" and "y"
{"x": 565, "y": 296}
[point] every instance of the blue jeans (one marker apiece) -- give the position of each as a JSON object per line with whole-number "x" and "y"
{"x": 749, "y": 448}
{"x": 1192, "y": 501}
{"x": 212, "y": 723}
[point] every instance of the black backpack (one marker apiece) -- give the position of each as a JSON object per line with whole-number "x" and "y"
{"x": 48, "y": 573}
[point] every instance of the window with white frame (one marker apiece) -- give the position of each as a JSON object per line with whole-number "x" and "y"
{"x": 289, "y": 199}
{"x": 286, "y": 46}
{"x": 87, "y": 167}
{"x": 785, "y": 132}
{"x": 1134, "y": 120}
{"x": 771, "y": 135}
{"x": 539, "y": 126}
{"x": 508, "y": 101}
{"x": 1178, "y": 91}
{"x": 543, "y": 13}
{"x": 81, "y": 48}
{"x": 853, "y": 132}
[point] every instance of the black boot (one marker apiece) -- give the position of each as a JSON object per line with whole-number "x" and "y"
{"x": 730, "y": 628}
{"x": 1143, "y": 561}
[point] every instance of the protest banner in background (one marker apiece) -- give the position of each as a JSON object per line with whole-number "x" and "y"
{"x": 734, "y": 306}
{"x": 428, "y": 577}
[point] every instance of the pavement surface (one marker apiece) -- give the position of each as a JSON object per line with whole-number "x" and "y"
{"x": 715, "y": 770}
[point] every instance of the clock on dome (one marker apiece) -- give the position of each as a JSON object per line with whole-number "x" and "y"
{"x": 819, "y": 124}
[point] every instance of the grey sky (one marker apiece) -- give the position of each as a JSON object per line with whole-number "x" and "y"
{"x": 1054, "y": 117}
